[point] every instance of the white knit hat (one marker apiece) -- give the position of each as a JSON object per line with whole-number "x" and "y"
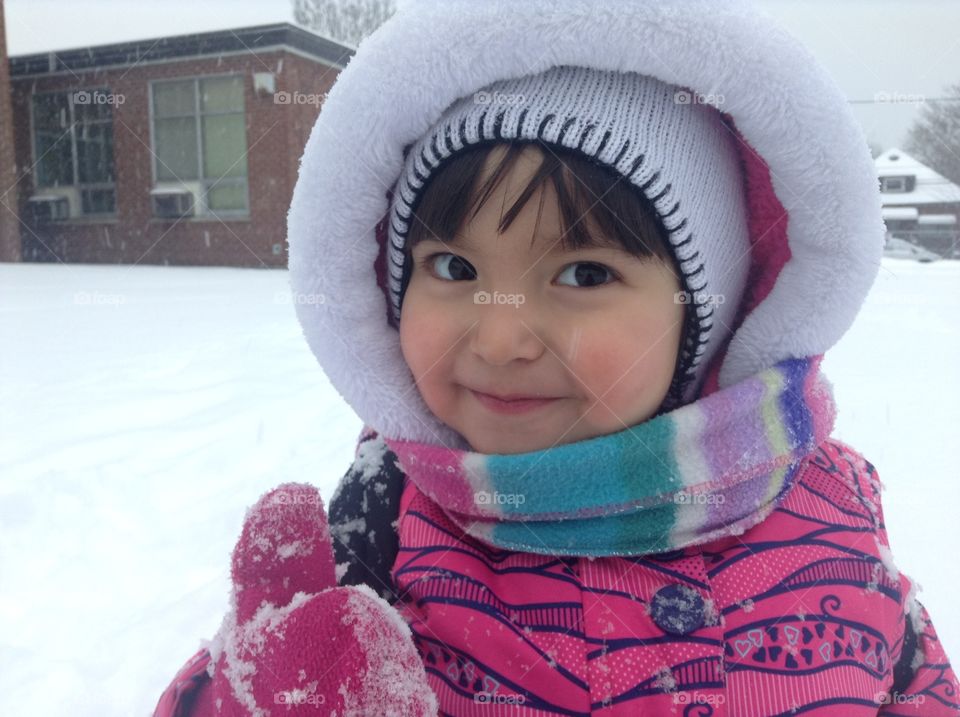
{"x": 664, "y": 140}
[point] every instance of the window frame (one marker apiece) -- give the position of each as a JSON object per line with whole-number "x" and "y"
{"x": 203, "y": 210}
{"x": 902, "y": 180}
{"x": 75, "y": 184}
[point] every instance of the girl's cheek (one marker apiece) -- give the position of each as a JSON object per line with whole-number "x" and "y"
{"x": 572, "y": 349}
{"x": 411, "y": 331}
{"x": 601, "y": 360}
{"x": 616, "y": 362}
{"x": 424, "y": 334}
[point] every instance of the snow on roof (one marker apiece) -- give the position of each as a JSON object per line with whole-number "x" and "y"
{"x": 931, "y": 187}
{"x": 900, "y": 213}
{"x": 173, "y": 47}
{"x": 937, "y": 219}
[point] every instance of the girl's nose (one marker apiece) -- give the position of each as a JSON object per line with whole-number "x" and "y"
{"x": 503, "y": 330}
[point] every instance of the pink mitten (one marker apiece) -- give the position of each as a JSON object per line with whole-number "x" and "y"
{"x": 295, "y": 643}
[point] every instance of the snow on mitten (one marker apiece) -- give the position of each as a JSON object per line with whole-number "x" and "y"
{"x": 294, "y": 642}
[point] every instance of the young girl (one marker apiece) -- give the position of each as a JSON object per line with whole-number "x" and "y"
{"x": 580, "y": 263}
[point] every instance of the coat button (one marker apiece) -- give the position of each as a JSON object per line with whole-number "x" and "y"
{"x": 678, "y": 609}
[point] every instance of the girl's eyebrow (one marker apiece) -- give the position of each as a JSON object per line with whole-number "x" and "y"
{"x": 593, "y": 242}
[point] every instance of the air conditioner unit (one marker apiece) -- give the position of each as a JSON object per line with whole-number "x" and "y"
{"x": 50, "y": 206}
{"x": 174, "y": 202}
{"x": 264, "y": 83}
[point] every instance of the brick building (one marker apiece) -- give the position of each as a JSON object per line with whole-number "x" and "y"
{"x": 175, "y": 150}
{"x": 9, "y": 221}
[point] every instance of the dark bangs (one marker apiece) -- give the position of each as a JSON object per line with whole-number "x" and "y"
{"x": 598, "y": 206}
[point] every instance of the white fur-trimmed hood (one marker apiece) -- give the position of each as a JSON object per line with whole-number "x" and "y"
{"x": 811, "y": 183}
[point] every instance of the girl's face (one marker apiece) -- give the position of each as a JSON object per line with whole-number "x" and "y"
{"x": 596, "y": 330}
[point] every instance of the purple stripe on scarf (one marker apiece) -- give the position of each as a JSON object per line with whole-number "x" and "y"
{"x": 724, "y": 451}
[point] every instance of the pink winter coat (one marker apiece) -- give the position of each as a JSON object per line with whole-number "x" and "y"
{"x": 805, "y": 613}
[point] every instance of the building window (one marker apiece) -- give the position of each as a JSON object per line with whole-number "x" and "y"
{"x": 200, "y": 139}
{"x": 893, "y": 184}
{"x": 73, "y": 146}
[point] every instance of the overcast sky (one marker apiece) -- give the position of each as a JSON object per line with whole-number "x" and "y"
{"x": 899, "y": 47}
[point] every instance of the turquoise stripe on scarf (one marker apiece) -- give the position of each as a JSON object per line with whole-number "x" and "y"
{"x": 620, "y": 457}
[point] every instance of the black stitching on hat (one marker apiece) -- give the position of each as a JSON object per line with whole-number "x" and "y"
{"x": 416, "y": 184}
{"x": 426, "y": 162}
{"x": 498, "y": 125}
{"x": 543, "y": 124}
{"x": 448, "y": 139}
{"x": 405, "y": 201}
{"x": 665, "y": 191}
{"x": 636, "y": 165}
{"x": 563, "y": 130}
{"x": 672, "y": 211}
{"x": 400, "y": 193}
{"x": 603, "y": 142}
{"x": 399, "y": 215}
{"x": 685, "y": 241}
{"x": 401, "y": 204}
{"x": 623, "y": 151}
{"x": 677, "y": 228}
{"x": 583, "y": 135}
{"x": 646, "y": 185}
{"x": 521, "y": 120}
{"x": 481, "y": 120}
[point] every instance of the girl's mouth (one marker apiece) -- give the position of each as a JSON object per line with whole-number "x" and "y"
{"x": 517, "y": 405}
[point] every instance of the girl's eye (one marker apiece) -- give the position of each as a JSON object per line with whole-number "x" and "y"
{"x": 451, "y": 267}
{"x": 587, "y": 273}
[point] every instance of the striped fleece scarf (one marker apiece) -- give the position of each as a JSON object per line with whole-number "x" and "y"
{"x": 708, "y": 469}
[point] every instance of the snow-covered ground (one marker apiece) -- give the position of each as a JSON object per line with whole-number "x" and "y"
{"x": 142, "y": 409}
